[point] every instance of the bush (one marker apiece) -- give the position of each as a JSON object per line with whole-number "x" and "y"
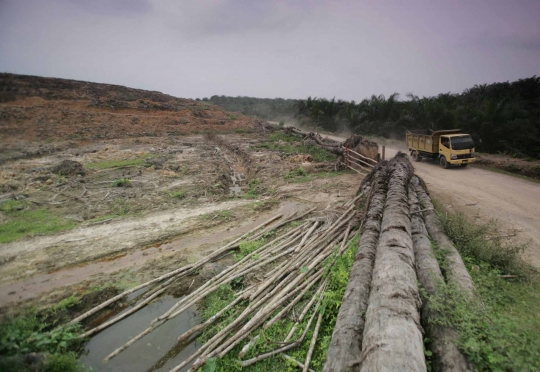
{"x": 480, "y": 243}
{"x": 498, "y": 327}
{"x": 122, "y": 182}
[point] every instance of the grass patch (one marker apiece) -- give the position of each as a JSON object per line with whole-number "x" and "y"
{"x": 479, "y": 244}
{"x": 270, "y": 338}
{"x": 299, "y": 175}
{"x": 30, "y": 332}
{"x": 254, "y": 186}
{"x": 178, "y": 195}
{"x": 249, "y": 247}
{"x": 285, "y": 143}
{"x": 106, "y": 164}
{"x": 122, "y": 182}
{"x": 25, "y": 222}
{"x": 498, "y": 329}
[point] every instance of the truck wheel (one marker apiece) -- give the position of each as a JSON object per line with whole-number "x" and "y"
{"x": 416, "y": 156}
{"x": 443, "y": 162}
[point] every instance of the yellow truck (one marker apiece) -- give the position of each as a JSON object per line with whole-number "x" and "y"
{"x": 448, "y": 147}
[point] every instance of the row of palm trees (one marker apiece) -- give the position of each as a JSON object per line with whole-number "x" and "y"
{"x": 501, "y": 117}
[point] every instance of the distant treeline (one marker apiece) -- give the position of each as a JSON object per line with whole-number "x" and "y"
{"x": 501, "y": 117}
{"x": 276, "y": 109}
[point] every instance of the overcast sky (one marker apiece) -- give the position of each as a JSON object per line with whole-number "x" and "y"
{"x": 289, "y": 49}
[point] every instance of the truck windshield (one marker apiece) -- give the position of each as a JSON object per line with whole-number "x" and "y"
{"x": 462, "y": 143}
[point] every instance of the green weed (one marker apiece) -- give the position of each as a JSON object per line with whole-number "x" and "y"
{"x": 254, "y": 186}
{"x": 282, "y": 142}
{"x": 66, "y": 303}
{"x": 479, "y": 243}
{"x": 178, "y": 194}
{"x": 298, "y": 175}
{"x": 249, "y": 247}
{"x": 30, "y": 333}
{"x": 122, "y": 182}
{"x": 11, "y": 206}
{"x": 498, "y": 327}
{"x": 272, "y": 337}
{"x": 22, "y": 223}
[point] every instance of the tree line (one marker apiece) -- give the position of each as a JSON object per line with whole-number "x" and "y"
{"x": 276, "y": 109}
{"x": 501, "y": 117}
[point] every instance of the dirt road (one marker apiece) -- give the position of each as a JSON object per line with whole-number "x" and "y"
{"x": 485, "y": 195}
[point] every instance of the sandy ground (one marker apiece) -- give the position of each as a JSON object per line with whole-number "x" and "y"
{"x": 486, "y": 195}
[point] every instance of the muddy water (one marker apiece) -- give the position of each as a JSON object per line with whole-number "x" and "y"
{"x": 37, "y": 285}
{"x": 157, "y": 351}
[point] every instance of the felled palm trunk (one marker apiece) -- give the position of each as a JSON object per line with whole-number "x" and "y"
{"x": 392, "y": 336}
{"x": 458, "y": 273}
{"x": 346, "y": 345}
{"x": 448, "y": 358}
{"x": 330, "y": 145}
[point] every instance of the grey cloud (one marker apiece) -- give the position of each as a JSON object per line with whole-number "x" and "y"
{"x": 291, "y": 49}
{"x": 111, "y": 7}
{"x": 222, "y": 17}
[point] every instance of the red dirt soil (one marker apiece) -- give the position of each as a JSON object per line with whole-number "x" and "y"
{"x": 36, "y": 108}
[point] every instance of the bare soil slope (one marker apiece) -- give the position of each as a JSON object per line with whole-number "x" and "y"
{"x": 36, "y": 108}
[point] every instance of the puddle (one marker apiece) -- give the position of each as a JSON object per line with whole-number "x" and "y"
{"x": 39, "y": 284}
{"x": 157, "y": 351}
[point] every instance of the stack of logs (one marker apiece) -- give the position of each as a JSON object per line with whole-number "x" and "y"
{"x": 290, "y": 269}
{"x": 379, "y": 325}
{"x": 381, "y": 321}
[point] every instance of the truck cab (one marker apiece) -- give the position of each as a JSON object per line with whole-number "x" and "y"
{"x": 456, "y": 149}
{"x": 447, "y": 147}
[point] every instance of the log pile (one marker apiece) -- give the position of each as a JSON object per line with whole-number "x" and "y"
{"x": 361, "y": 145}
{"x": 291, "y": 270}
{"x": 381, "y": 321}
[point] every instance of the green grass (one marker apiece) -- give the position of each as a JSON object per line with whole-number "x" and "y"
{"x": 498, "y": 329}
{"x": 122, "y": 182}
{"x": 271, "y": 337}
{"x": 179, "y": 194}
{"x": 254, "y": 188}
{"x": 31, "y": 332}
{"x": 287, "y": 146}
{"x": 28, "y": 222}
{"x": 299, "y": 175}
{"x": 106, "y": 164}
{"x": 66, "y": 303}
